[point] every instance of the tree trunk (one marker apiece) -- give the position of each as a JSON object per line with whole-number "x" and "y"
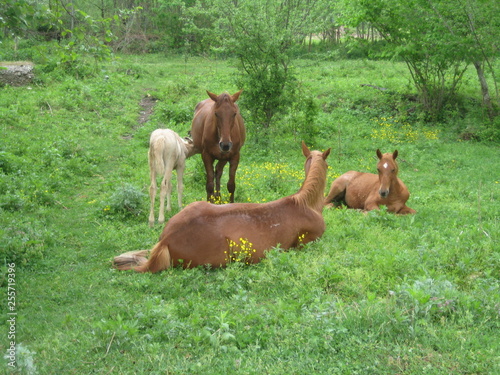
{"x": 484, "y": 90}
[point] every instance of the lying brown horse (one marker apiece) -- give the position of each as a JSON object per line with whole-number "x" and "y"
{"x": 218, "y": 133}
{"x": 204, "y": 233}
{"x": 367, "y": 191}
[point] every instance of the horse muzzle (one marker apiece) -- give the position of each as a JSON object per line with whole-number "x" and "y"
{"x": 384, "y": 193}
{"x": 225, "y": 146}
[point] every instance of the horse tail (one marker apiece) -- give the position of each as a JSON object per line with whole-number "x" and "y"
{"x": 129, "y": 260}
{"x": 159, "y": 259}
{"x": 158, "y": 156}
{"x": 159, "y": 144}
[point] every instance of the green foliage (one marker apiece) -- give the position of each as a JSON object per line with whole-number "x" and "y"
{"x": 302, "y": 118}
{"x": 90, "y": 39}
{"x": 84, "y": 38}
{"x": 126, "y": 200}
{"x": 263, "y": 40}
{"x": 268, "y": 92}
{"x": 437, "y": 42}
{"x": 24, "y": 241}
{"x": 172, "y": 112}
{"x": 438, "y": 50}
{"x": 17, "y": 16}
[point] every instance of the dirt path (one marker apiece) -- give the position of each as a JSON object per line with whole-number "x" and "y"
{"x": 147, "y": 104}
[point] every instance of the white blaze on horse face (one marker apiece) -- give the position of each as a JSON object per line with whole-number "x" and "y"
{"x": 386, "y": 165}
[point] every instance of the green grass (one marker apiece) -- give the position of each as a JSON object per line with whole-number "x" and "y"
{"x": 377, "y": 294}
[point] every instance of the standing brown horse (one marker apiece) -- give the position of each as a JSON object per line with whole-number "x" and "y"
{"x": 367, "y": 191}
{"x": 204, "y": 233}
{"x": 218, "y": 133}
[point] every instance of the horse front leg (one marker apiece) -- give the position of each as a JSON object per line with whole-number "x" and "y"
{"x": 152, "y": 196}
{"x": 406, "y": 210}
{"x": 231, "y": 184}
{"x": 180, "y": 185}
{"x": 373, "y": 202}
{"x": 336, "y": 193}
{"x": 219, "y": 169}
{"x": 208, "y": 161}
{"x": 371, "y": 205}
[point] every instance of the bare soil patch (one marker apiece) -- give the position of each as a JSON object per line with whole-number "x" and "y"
{"x": 147, "y": 104}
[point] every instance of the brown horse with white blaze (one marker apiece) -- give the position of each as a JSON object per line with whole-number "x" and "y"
{"x": 208, "y": 234}
{"x": 218, "y": 133}
{"x": 368, "y": 191}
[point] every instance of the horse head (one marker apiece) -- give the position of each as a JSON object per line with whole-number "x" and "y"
{"x": 308, "y": 154}
{"x": 313, "y": 188}
{"x": 189, "y": 144}
{"x": 225, "y": 111}
{"x": 387, "y": 171}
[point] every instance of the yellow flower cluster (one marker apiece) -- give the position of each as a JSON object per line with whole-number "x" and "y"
{"x": 239, "y": 252}
{"x": 251, "y": 176}
{"x": 332, "y": 174}
{"x": 217, "y": 198}
{"x": 396, "y": 132}
{"x": 431, "y": 134}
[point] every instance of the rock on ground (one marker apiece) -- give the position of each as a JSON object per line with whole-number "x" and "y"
{"x": 17, "y": 73}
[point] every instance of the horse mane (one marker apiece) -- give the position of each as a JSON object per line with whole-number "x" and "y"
{"x": 312, "y": 190}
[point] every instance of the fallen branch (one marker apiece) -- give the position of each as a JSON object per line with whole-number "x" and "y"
{"x": 62, "y": 205}
{"x": 109, "y": 345}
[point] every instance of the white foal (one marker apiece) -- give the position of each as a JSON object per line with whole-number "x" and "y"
{"x": 167, "y": 151}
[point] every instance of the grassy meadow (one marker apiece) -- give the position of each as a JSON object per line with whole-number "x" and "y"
{"x": 377, "y": 294}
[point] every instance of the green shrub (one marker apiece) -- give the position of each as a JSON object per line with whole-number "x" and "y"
{"x": 24, "y": 241}
{"x": 127, "y": 201}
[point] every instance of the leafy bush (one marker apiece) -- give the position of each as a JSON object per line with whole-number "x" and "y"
{"x": 12, "y": 201}
{"x": 24, "y": 241}
{"x": 127, "y": 201}
{"x": 173, "y": 112}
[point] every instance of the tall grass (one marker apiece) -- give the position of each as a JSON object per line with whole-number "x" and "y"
{"x": 377, "y": 294}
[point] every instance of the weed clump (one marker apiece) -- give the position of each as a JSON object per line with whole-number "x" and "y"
{"x": 126, "y": 201}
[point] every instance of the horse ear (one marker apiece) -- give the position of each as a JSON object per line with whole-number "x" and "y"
{"x": 305, "y": 150}
{"x": 236, "y": 96}
{"x": 379, "y": 154}
{"x": 212, "y": 96}
{"x": 326, "y": 153}
{"x": 395, "y": 154}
